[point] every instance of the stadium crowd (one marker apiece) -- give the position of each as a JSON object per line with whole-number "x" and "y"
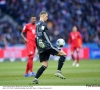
{"x": 63, "y": 14}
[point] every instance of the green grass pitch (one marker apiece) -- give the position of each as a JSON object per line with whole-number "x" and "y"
{"x": 12, "y": 73}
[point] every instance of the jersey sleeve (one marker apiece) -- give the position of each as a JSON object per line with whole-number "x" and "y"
{"x": 80, "y": 40}
{"x": 45, "y": 33}
{"x": 39, "y": 31}
{"x": 79, "y": 35}
{"x": 25, "y": 28}
{"x": 43, "y": 27}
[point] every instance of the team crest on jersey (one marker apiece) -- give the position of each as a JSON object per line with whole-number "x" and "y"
{"x": 42, "y": 27}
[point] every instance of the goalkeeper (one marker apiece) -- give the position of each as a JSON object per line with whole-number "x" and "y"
{"x": 45, "y": 48}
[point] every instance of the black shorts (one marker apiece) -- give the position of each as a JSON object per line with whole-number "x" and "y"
{"x": 46, "y": 54}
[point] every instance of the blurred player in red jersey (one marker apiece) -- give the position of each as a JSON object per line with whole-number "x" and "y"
{"x": 30, "y": 31}
{"x": 75, "y": 42}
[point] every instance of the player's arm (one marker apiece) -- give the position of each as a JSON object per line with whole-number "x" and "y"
{"x": 46, "y": 36}
{"x": 39, "y": 40}
{"x": 80, "y": 40}
{"x": 22, "y": 34}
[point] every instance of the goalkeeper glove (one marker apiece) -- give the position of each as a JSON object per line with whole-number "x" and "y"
{"x": 41, "y": 44}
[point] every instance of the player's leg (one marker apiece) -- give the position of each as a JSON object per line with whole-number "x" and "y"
{"x": 77, "y": 58}
{"x": 27, "y": 70}
{"x": 30, "y": 63}
{"x": 62, "y": 55}
{"x": 73, "y": 56}
{"x": 29, "y": 66}
{"x": 31, "y": 56}
{"x": 40, "y": 71}
{"x": 61, "y": 61}
{"x": 44, "y": 61}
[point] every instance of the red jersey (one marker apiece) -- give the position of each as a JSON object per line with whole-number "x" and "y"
{"x": 75, "y": 39}
{"x": 30, "y": 31}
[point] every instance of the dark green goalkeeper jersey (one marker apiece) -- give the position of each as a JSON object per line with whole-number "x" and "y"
{"x": 43, "y": 35}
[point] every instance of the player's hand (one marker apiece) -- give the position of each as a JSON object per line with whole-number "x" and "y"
{"x": 25, "y": 40}
{"x": 41, "y": 44}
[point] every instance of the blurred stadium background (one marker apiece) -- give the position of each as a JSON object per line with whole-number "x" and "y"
{"x": 63, "y": 14}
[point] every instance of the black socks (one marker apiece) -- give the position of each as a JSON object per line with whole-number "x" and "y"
{"x": 61, "y": 62}
{"x": 40, "y": 71}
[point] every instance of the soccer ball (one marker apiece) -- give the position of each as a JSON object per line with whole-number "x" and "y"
{"x": 60, "y": 42}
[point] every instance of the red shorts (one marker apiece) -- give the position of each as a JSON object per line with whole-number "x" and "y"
{"x": 74, "y": 48}
{"x": 30, "y": 49}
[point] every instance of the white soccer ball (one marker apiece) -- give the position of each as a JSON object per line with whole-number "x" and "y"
{"x": 60, "y": 42}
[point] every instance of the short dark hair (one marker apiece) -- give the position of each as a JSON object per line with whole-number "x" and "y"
{"x": 43, "y": 12}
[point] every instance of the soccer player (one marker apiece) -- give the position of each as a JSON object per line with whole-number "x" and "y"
{"x": 30, "y": 40}
{"x": 75, "y": 41}
{"x": 45, "y": 48}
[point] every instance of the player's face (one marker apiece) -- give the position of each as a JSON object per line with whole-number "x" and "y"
{"x": 33, "y": 20}
{"x": 74, "y": 28}
{"x": 45, "y": 17}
